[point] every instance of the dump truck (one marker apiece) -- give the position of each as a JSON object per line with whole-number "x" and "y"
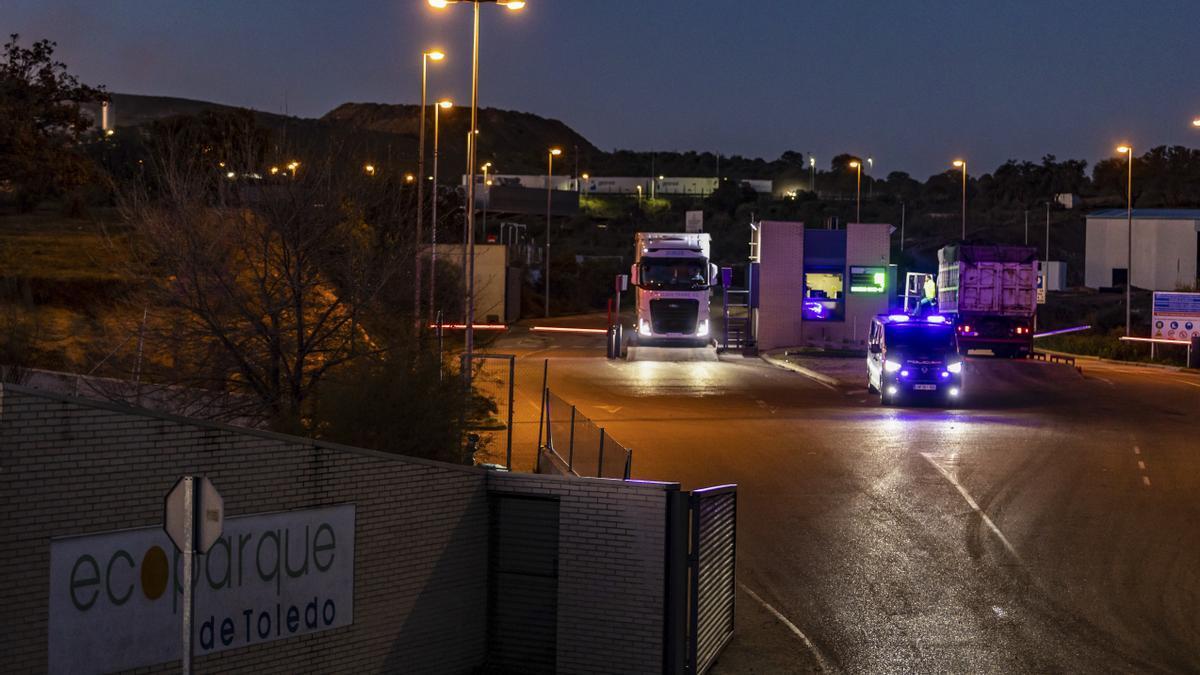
{"x": 672, "y": 276}
{"x": 991, "y": 293}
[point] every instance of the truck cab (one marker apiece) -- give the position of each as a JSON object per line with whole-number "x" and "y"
{"x": 673, "y": 277}
{"x": 911, "y": 359}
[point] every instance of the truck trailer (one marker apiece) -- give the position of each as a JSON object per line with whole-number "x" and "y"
{"x": 672, "y": 276}
{"x": 991, "y": 291}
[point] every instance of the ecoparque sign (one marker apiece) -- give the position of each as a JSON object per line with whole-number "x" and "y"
{"x": 115, "y": 598}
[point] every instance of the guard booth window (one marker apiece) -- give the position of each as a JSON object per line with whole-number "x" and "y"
{"x": 824, "y": 295}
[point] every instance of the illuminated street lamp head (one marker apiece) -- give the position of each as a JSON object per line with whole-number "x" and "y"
{"x": 1124, "y": 149}
{"x": 586, "y": 177}
{"x": 445, "y": 104}
{"x": 854, "y": 164}
{"x": 408, "y": 178}
{"x": 435, "y": 54}
{"x": 486, "y": 166}
{"x": 555, "y": 151}
{"x": 959, "y": 164}
{"x": 1196, "y": 122}
{"x": 513, "y": 5}
{"x": 274, "y": 170}
{"x": 812, "y": 160}
{"x": 369, "y": 169}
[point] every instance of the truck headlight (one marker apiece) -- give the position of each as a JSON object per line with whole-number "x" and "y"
{"x": 644, "y": 328}
{"x": 891, "y": 366}
{"x": 955, "y": 367}
{"x": 702, "y": 329}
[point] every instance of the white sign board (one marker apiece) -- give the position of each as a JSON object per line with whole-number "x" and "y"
{"x": 115, "y": 598}
{"x": 1176, "y": 316}
{"x": 694, "y": 221}
{"x": 211, "y": 514}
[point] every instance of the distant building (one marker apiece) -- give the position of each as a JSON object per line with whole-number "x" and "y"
{"x": 700, "y": 186}
{"x": 1166, "y": 246}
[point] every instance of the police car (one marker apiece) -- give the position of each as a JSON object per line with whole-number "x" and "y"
{"x": 914, "y": 358}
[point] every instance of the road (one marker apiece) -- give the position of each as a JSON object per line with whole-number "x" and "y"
{"x": 1049, "y": 525}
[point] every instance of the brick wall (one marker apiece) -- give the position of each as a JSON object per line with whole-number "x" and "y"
{"x": 70, "y": 467}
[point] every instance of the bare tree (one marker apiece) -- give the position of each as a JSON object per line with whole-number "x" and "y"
{"x": 262, "y": 286}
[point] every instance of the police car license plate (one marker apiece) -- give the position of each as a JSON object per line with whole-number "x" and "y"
{"x": 925, "y": 387}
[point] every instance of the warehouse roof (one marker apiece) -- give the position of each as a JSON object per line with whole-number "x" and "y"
{"x": 1149, "y": 214}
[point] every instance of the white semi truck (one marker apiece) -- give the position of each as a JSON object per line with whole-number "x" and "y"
{"x": 673, "y": 275}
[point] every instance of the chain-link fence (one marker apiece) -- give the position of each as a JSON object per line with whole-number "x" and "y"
{"x": 580, "y": 444}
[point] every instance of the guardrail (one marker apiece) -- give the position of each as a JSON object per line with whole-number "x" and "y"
{"x": 1054, "y": 358}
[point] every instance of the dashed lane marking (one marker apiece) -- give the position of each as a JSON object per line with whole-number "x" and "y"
{"x": 1137, "y": 450}
{"x": 975, "y": 507}
{"x": 812, "y": 648}
{"x": 1141, "y": 465}
{"x": 1146, "y": 481}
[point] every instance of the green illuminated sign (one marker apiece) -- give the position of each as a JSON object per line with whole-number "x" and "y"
{"x": 868, "y": 279}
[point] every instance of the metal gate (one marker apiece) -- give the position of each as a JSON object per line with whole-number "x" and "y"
{"x": 523, "y": 584}
{"x": 711, "y": 574}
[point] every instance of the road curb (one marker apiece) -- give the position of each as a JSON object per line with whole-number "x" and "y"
{"x": 807, "y": 372}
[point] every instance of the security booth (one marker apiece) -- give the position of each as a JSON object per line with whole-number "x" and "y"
{"x": 819, "y": 287}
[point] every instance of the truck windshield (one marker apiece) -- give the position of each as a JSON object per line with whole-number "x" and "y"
{"x": 674, "y": 274}
{"x": 918, "y": 337}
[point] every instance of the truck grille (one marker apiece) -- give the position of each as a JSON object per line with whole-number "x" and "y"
{"x": 674, "y": 315}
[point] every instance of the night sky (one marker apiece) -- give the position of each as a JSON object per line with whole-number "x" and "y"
{"x": 912, "y": 84}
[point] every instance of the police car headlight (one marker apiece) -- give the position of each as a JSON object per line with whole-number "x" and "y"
{"x": 891, "y": 366}
{"x": 955, "y": 367}
{"x": 644, "y": 328}
{"x": 702, "y": 329}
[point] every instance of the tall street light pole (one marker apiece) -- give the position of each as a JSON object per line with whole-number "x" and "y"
{"x": 426, "y": 57}
{"x": 812, "y": 174}
{"x": 857, "y": 165}
{"x": 469, "y": 332}
{"x": 1128, "y": 150}
{"x": 870, "y": 177}
{"x": 433, "y": 226}
{"x": 553, "y": 152}
{"x": 962, "y": 164}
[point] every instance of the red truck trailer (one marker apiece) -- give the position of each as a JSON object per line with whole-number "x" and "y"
{"x": 992, "y": 293}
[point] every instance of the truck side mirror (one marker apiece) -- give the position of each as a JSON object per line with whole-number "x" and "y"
{"x": 712, "y": 274}
{"x": 634, "y": 279}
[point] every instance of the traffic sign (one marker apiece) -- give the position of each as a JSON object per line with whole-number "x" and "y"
{"x": 209, "y": 514}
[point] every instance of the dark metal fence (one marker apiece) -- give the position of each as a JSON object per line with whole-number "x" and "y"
{"x": 584, "y": 447}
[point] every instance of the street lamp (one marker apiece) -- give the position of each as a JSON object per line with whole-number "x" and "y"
{"x": 962, "y": 164}
{"x": 1128, "y": 150}
{"x": 870, "y": 180}
{"x": 1196, "y": 122}
{"x": 408, "y": 178}
{"x": 857, "y": 165}
{"x": 469, "y": 333}
{"x": 554, "y": 152}
{"x": 812, "y": 174}
{"x": 444, "y": 104}
{"x": 293, "y": 166}
{"x": 369, "y": 169}
{"x": 426, "y": 56}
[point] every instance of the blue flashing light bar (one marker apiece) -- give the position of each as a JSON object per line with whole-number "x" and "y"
{"x": 899, "y": 318}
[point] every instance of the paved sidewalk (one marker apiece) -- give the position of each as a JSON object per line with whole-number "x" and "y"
{"x": 838, "y": 372}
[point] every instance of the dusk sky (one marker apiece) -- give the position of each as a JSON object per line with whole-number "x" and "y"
{"x": 913, "y": 84}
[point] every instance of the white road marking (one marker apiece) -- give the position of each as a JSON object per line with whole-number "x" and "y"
{"x": 812, "y": 648}
{"x": 1141, "y": 465}
{"x": 1146, "y": 481}
{"x": 1190, "y": 384}
{"x": 1137, "y": 450}
{"x": 975, "y": 507}
{"x": 1104, "y": 380}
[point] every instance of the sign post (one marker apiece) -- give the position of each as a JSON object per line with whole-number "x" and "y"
{"x": 193, "y": 515}
{"x": 693, "y": 221}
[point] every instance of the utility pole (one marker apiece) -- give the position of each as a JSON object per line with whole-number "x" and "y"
{"x": 901, "y": 229}
{"x": 1026, "y": 227}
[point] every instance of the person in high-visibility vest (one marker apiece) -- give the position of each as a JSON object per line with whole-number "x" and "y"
{"x": 928, "y": 304}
